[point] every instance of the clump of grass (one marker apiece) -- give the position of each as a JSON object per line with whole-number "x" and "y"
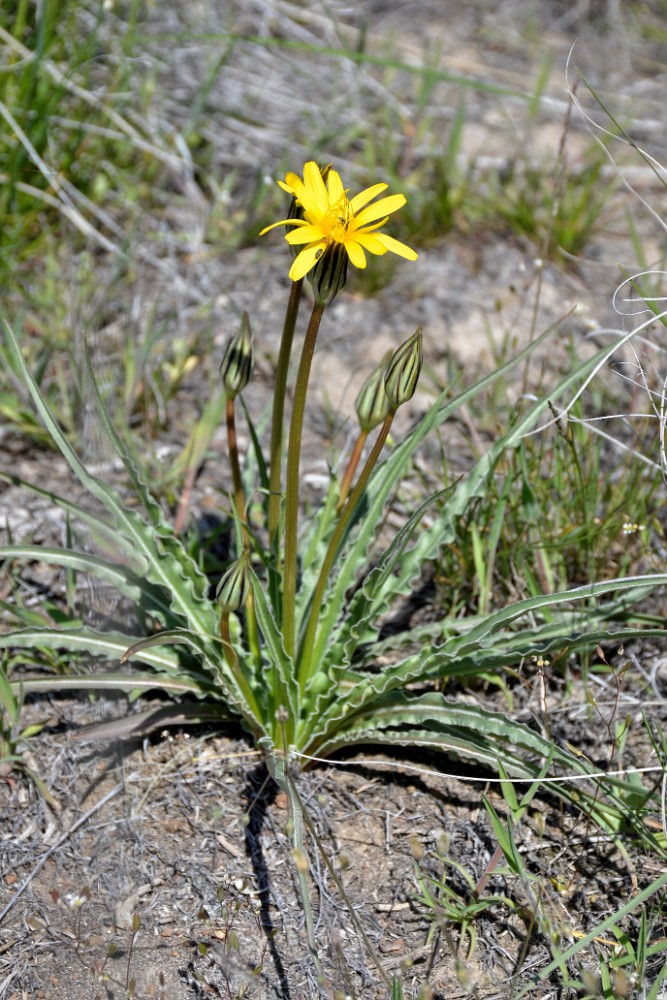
{"x": 611, "y": 958}
{"x": 552, "y": 518}
{"x": 560, "y": 215}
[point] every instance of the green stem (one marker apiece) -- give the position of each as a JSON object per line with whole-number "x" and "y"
{"x": 306, "y": 659}
{"x": 232, "y": 444}
{"x": 239, "y": 502}
{"x": 239, "y": 676}
{"x": 292, "y": 478}
{"x": 278, "y": 412}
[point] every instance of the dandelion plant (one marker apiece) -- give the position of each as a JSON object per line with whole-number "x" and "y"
{"x": 289, "y": 640}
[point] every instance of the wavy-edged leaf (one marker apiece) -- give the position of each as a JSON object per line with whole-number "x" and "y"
{"x": 229, "y": 685}
{"x": 167, "y": 562}
{"x": 110, "y": 645}
{"x": 377, "y": 592}
{"x": 390, "y": 472}
{"x": 147, "y": 597}
{"x": 168, "y": 637}
{"x": 636, "y": 585}
{"x": 204, "y": 675}
{"x": 469, "y": 732}
{"x": 134, "y": 683}
{"x": 384, "y": 583}
{"x": 359, "y": 690}
{"x": 279, "y": 661}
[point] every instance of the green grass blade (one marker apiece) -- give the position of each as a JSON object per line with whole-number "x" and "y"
{"x": 559, "y": 963}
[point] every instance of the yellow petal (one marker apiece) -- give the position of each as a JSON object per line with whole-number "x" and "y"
{"x": 385, "y": 206}
{"x": 303, "y": 263}
{"x": 306, "y": 198}
{"x": 283, "y": 222}
{"x": 335, "y": 189}
{"x": 356, "y": 253}
{"x": 371, "y": 228}
{"x": 397, "y": 247}
{"x": 364, "y": 197}
{"x": 371, "y": 243}
{"x": 306, "y": 234}
{"x": 312, "y": 180}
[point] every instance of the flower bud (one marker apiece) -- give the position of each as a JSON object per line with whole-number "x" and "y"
{"x": 329, "y": 274}
{"x": 372, "y": 405}
{"x": 403, "y": 371}
{"x": 233, "y": 587}
{"x": 236, "y": 366}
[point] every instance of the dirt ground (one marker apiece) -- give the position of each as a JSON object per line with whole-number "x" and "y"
{"x": 174, "y": 849}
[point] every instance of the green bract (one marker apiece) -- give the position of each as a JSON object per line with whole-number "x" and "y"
{"x": 403, "y": 371}
{"x": 236, "y": 366}
{"x": 372, "y": 404}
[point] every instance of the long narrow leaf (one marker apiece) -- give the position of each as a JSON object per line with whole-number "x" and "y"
{"x": 278, "y": 658}
{"x": 146, "y": 597}
{"x": 391, "y": 471}
{"x": 177, "y": 573}
{"x": 90, "y": 641}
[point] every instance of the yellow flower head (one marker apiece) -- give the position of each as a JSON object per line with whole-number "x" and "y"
{"x": 330, "y": 218}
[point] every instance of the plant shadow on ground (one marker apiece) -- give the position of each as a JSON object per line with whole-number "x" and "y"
{"x": 259, "y": 794}
{"x": 217, "y": 900}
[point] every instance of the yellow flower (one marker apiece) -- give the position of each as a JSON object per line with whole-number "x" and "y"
{"x": 329, "y": 218}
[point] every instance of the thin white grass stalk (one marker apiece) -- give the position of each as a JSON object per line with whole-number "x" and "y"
{"x": 73, "y": 88}
{"x": 590, "y": 425}
{"x": 597, "y": 131}
{"x": 595, "y": 371}
{"x": 594, "y": 128}
{"x": 638, "y": 299}
{"x": 663, "y": 424}
{"x": 67, "y": 194}
{"x": 556, "y": 780}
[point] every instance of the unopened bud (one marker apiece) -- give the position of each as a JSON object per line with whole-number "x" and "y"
{"x": 372, "y": 405}
{"x": 233, "y": 587}
{"x": 329, "y": 274}
{"x": 236, "y": 366}
{"x": 403, "y": 371}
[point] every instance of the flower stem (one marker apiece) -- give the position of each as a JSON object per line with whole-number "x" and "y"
{"x": 239, "y": 503}
{"x": 232, "y": 443}
{"x": 292, "y": 478}
{"x": 239, "y": 676}
{"x": 277, "y": 416}
{"x": 346, "y": 481}
{"x": 306, "y": 659}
